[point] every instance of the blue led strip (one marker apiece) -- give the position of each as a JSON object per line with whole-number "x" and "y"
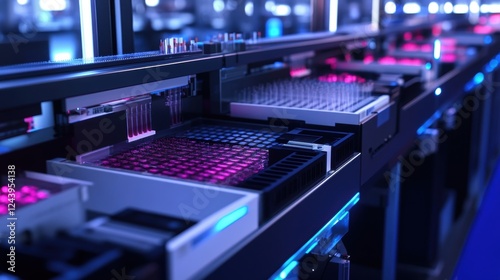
{"x": 291, "y": 263}
{"x": 477, "y": 80}
{"x": 223, "y": 223}
{"x": 230, "y": 218}
{"x": 312, "y": 246}
{"x": 492, "y": 65}
{"x": 284, "y": 273}
{"x": 428, "y": 123}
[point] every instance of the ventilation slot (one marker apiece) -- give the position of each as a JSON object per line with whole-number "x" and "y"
{"x": 288, "y": 178}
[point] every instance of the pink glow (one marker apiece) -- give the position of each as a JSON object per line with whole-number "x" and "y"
{"x": 332, "y": 61}
{"x": 25, "y": 196}
{"x": 407, "y": 36}
{"x": 410, "y": 47}
{"x": 426, "y": 48}
{"x": 344, "y": 77}
{"x": 42, "y": 195}
{"x": 448, "y": 48}
{"x": 195, "y": 160}
{"x": 388, "y": 60}
{"x": 436, "y": 30}
{"x": 495, "y": 19}
{"x": 28, "y": 200}
{"x": 368, "y": 59}
{"x": 483, "y": 29}
{"x": 29, "y": 121}
{"x": 449, "y": 57}
{"x": 299, "y": 72}
{"x": 410, "y": 61}
{"x": 448, "y": 42}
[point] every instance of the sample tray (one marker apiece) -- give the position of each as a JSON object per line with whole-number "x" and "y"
{"x": 315, "y": 101}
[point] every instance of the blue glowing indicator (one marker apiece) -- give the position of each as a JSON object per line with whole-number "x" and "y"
{"x": 343, "y": 216}
{"x": 312, "y": 247}
{"x": 478, "y": 78}
{"x": 488, "y": 40}
{"x": 437, "y": 49}
{"x": 230, "y": 218}
{"x": 492, "y": 65}
{"x": 428, "y": 123}
{"x": 437, "y": 92}
{"x": 291, "y": 263}
{"x": 4, "y": 150}
{"x": 471, "y": 51}
{"x": 428, "y": 66}
{"x": 469, "y": 86}
{"x": 274, "y": 28}
{"x": 288, "y": 269}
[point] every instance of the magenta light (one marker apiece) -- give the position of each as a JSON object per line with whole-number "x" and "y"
{"x": 410, "y": 47}
{"x": 426, "y": 48}
{"x": 449, "y": 57}
{"x": 191, "y": 159}
{"x": 407, "y": 36}
{"x": 342, "y": 78}
{"x": 483, "y": 29}
{"x": 387, "y": 60}
{"x": 25, "y": 195}
{"x": 410, "y": 61}
{"x": 368, "y": 59}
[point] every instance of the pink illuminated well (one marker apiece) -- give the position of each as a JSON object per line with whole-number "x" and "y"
{"x": 24, "y": 196}
{"x": 483, "y": 29}
{"x": 426, "y": 48}
{"x": 495, "y": 19}
{"x": 410, "y": 47}
{"x": 436, "y": 30}
{"x": 299, "y": 72}
{"x": 368, "y": 59}
{"x": 411, "y": 61}
{"x": 449, "y": 57}
{"x": 184, "y": 158}
{"x": 342, "y": 78}
{"x": 387, "y": 60}
{"x": 332, "y": 61}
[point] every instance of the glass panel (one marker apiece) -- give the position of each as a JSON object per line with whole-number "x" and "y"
{"x": 205, "y": 19}
{"x": 39, "y": 30}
